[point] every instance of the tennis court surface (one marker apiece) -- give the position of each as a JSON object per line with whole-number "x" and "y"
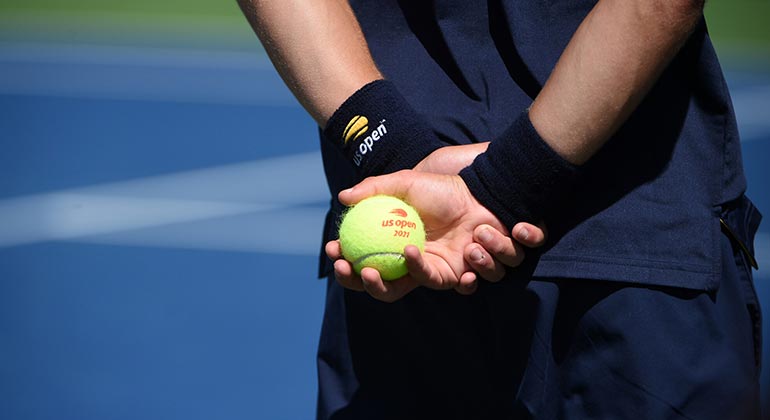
{"x": 161, "y": 204}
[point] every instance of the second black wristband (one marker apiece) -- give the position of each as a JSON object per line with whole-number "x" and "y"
{"x": 519, "y": 176}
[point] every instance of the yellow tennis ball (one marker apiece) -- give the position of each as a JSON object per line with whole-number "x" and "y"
{"x": 374, "y": 233}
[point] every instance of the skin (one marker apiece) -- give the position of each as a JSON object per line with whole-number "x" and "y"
{"x": 614, "y": 58}
{"x": 306, "y": 41}
{"x": 492, "y": 248}
{"x": 451, "y": 228}
{"x": 612, "y": 61}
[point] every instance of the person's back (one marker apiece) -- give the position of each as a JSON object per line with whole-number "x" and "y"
{"x": 646, "y": 213}
{"x": 471, "y": 67}
{"x": 641, "y": 303}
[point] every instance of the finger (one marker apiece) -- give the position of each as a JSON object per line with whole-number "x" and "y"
{"x": 372, "y": 282}
{"x": 499, "y": 246}
{"x": 396, "y": 184}
{"x": 343, "y": 270}
{"x": 386, "y": 291}
{"x": 488, "y": 267}
{"x": 333, "y": 250}
{"x": 346, "y": 277}
{"x": 529, "y": 235}
{"x": 468, "y": 284}
{"x": 419, "y": 269}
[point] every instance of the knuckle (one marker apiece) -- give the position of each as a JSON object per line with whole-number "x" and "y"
{"x": 500, "y": 273}
{"x": 517, "y": 259}
{"x": 486, "y": 264}
{"x": 506, "y": 250}
{"x": 499, "y": 247}
{"x": 494, "y": 274}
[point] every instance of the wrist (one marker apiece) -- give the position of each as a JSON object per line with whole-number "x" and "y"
{"x": 519, "y": 177}
{"x": 379, "y": 132}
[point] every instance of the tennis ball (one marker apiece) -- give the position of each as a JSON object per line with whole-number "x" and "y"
{"x": 374, "y": 233}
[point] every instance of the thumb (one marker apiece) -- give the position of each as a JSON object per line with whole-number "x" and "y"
{"x": 396, "y": 184}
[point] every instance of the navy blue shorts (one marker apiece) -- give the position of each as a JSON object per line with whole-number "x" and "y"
{"x": 561, "y": 348}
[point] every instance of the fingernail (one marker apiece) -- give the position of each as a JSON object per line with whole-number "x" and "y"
{"x": 485, "y": 235}
{"x": 523, "y": 234}
{"x": 477, "y": 255}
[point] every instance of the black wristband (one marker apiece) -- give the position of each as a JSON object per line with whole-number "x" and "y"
{"x": 519, "y": 176}
{"x": 379, "y": 132}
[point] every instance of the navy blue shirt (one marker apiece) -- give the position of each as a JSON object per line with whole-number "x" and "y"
{"x": 648, "y": 209}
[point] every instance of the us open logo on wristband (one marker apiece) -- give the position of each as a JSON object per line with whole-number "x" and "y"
{"x": 357, "y": 128}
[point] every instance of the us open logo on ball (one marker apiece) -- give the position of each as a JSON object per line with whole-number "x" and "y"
{"x": 402, "y": 225}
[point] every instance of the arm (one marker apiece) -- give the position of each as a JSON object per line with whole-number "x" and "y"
{"x": 612, "y": 61}
{"x": 453, "y": 219}
{"x": 307, "y": 41}
{"x": 614, "y": 58}
{"x": 320, "y": 52}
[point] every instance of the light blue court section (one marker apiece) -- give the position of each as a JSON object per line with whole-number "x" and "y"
{"x": 160, "y": 223}
{"x": 132, "y": 332}
{"x": 164, "y": 75}
{"x": 751, "y": 96}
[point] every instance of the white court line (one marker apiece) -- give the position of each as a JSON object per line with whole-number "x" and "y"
{"x": 293, "y": 231}
{"x": 68, "y": 215}
{"x": 133, "y": 211}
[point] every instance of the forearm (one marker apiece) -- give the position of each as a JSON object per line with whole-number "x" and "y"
{"x": 317, "y": 47}
{"x": 609, "y": 65}
{"x": 611, "y": 62}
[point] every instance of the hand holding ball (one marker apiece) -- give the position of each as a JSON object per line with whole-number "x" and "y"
{"x": 374, "y": 233}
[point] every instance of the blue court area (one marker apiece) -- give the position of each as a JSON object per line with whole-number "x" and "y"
{"x": 160, "y": 222}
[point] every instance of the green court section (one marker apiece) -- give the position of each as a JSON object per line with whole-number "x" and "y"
{"x": 740, "y": 24}
{"x": 209, "y": 24}
{"x": 163, "y": 7}
{"x": 738, "y": 27}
